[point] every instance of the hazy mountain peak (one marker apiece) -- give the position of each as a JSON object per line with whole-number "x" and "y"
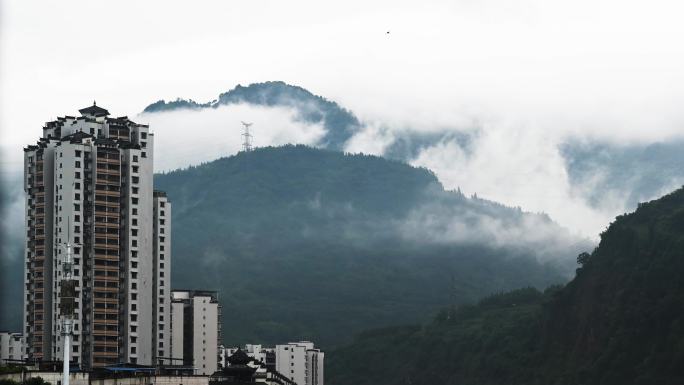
{"x": 340, "y": 124}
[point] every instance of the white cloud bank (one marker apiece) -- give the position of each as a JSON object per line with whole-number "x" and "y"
{"x": 189, "y": 137}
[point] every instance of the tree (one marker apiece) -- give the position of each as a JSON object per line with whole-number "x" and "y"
{"x": 583, "y": 258}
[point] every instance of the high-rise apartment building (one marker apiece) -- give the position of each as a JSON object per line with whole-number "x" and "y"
{"x": 196, "y": 329}
{"x": 89, "y": 183}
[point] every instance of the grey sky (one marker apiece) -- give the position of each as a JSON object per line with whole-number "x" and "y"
{"x": 528, "y": 73}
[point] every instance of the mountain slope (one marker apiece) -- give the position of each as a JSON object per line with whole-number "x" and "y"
{"x": 308, "y": 243}
{"x": 618, "y": 322}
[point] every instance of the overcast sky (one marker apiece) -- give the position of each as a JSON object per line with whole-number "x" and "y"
{"x": 531, "y": 72}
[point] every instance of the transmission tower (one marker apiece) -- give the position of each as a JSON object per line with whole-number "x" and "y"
{"x": 247, "y": 144}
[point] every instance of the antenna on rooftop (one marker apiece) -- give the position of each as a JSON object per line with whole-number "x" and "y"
{"x": 247, "y": 144}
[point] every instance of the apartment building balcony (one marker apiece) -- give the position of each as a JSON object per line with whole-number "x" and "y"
{"x": 105, "y": 214}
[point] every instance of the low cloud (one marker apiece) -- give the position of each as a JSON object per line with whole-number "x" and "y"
{"x": 188, "y": 137}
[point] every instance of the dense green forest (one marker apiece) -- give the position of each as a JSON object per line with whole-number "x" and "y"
{"x": 619, "y": 321}
{"x": 305, "y": 243}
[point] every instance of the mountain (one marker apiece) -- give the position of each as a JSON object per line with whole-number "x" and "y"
{"x": 619, "y": 321}
{"x": 604, "y": 174}
{"x": 305, "y": 243}
{"x": 339, "y": 123}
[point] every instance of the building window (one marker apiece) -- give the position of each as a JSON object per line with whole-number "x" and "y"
{"x": 77, "y": 218}
{"x": 77, "y": 153}
{"x": 135, "y": 168}
{"x": 143, "y": 154}
{"x": 78, "y": 164}
{"x": 77, "y": 186}
{"x": 78, "y": 196}
{"x": 135, "y": 200}
{"x": 136, "y": 179}
{"x": 143, "y": 135}
{"x": 77, "y": 207}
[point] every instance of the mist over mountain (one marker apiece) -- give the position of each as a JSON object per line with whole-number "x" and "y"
{"x": 315, "y": 244}
{"x": 582, "y": 180}
{"x": 339, "y": 123}
{"x": 619, "y": 321}
{"x": 631, "y": 173}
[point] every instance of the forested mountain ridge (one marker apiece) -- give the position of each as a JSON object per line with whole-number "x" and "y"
{"x": 619, "y": 321}
{"x": 315, "y": 244}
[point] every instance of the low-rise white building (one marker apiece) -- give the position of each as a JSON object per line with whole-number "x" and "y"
{"x": 12, "y": 347}
{"x": 300, "y": 362}
{"x": 258, "y": 352}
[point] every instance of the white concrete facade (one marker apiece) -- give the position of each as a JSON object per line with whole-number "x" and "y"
{"x": 300, "y": 362}
{"x": 195, "y": 328}
{"x": 11, "y": 346}
{"x": 89, "y": 182}
{"x": 161, "y": 330}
